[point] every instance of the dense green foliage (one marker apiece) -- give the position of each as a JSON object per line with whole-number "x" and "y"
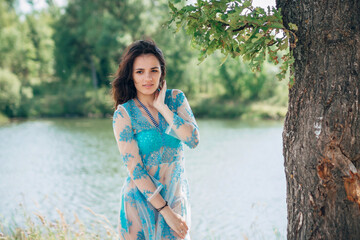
{"x": 237, "y": 29}
{"x": 59, "y": 61}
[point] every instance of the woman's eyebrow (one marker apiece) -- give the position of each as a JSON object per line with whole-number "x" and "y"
{"x": 143, "y": 68}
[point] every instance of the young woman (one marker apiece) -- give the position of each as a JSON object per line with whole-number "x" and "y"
{"x": 150, "y": 124}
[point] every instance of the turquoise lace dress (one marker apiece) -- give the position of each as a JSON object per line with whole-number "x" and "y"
{"x": 155, "y": 162}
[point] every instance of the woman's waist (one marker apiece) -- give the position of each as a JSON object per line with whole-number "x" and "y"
{"x": 162, "y": 156}
{"x": 167, "y": 173}
{"x": 172, "y": 186}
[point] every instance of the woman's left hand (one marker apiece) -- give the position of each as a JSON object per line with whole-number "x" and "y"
{"x": 159, "y": 100}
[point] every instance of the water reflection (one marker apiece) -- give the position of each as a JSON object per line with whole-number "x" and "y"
{"x": 236, "y": 175}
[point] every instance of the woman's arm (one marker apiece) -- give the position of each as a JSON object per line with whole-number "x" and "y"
{"x": 129, "y": 151}
{"x": 182, "y": 123}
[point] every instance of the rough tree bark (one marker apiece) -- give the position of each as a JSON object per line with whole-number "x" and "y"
{"x": 321, "y": 137}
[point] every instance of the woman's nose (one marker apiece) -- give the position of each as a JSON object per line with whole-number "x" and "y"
{"x": 148, "y": 76}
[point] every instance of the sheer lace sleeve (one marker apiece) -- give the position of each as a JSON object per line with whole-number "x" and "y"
{"x": 129, "y": 151}
{"x": 184, "y": 126}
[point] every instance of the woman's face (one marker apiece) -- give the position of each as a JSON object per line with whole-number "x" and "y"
{"x": 146, "y": 74}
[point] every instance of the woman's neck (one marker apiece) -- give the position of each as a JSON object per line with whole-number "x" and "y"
{"x": 147, "y": 100}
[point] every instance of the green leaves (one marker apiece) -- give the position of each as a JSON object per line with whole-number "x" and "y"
{"x": 237, "y": 29}
{"x": 293, "y": 26}
{"x": 172, "y": 7}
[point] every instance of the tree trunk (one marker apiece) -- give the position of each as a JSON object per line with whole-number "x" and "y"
{"x": 321, "y": 137}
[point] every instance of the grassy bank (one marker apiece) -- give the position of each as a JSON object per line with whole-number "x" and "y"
{"x": 230, "y": 109}
{"x": 38, "y": 227}
{"x": 237, "y": 109}
{"x": 97, "y": 104}
{"x": 3, "y": 119}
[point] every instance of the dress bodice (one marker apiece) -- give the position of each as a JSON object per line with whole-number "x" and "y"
{"x": 149, "y": 138}
{"x": 152, "y": 140}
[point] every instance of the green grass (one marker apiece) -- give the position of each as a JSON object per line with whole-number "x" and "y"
{"x": 265, "y": 111}
{"x": 3, "y": 119}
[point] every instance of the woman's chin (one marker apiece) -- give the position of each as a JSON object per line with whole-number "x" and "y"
{"x": 148, "y": 91}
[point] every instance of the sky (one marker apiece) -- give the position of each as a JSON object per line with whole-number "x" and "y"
{"x": 264, "y": 3}
{"x": 25, "y": 7}
{"x": 39, "y": 4}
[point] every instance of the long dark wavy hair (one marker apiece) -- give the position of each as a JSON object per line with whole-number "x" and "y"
{"x": 123, "y": 87}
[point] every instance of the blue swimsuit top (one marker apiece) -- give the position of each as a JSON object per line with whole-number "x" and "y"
{"x": 151, "y": 139}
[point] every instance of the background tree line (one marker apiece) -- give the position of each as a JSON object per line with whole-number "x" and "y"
{"x": 59, "y": 61}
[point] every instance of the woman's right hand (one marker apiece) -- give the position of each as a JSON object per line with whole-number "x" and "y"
{"x": 175, "y": 221}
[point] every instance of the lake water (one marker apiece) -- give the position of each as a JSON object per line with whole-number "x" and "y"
{"x": 236, "y": 175}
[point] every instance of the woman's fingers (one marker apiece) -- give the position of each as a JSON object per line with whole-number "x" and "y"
{"x": 187, "y": 228}
{"x": 185, "y": 225}
{"x": 156, "y": 94}
{"x": 183, "y": 228}
{"x": 163, "y": 89}
{"x": 177, "y": 223}
{"x": 179, "y": 235}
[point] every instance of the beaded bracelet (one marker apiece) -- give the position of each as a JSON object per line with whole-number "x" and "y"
{"x": 166, "y": 204}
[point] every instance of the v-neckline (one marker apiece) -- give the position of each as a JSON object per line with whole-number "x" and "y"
{"x": 146, "y": 119}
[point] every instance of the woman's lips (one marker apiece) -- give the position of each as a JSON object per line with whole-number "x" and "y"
{"x": 148, "y": 85}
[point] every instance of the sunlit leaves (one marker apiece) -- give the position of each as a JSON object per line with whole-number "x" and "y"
{"x": 293, "y": 27}
{"x": 237, "y": 29}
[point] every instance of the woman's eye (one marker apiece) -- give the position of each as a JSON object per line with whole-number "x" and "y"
{"x": 155, "y": 70}
{"x": 139, "y": 72}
